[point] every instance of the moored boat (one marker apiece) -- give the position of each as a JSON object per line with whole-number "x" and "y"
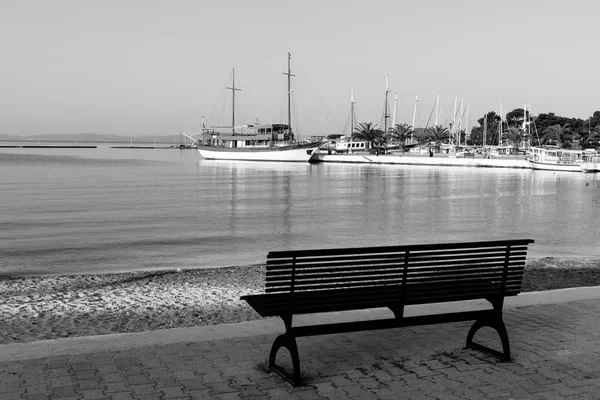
{"x": 248, "y": 151}
{"x": 272, "y": 142}
{"x": 555, "y": 159}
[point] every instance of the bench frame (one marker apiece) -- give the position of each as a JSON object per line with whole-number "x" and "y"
{"x": 509, "y": 272}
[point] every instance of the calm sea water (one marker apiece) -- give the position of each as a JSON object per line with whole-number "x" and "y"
{"x": 109, "y": 210}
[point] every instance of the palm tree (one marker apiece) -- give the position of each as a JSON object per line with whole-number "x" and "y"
{"x": 571, "y": 139}
{"x": 592, "y": 139}
{"x": 400, "y": 133}
{"x": 437, "y": 134}
{"x": 555, "y": 134}
{"x": 515, "y": 136}
{"x": 369, "y": 132}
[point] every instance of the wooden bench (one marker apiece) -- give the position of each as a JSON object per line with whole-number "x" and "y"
{"x": 317, "y": 281}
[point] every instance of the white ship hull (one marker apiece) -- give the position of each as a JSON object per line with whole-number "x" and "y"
{"x": 284, "y": 154}
{"x": 553, "y": 166}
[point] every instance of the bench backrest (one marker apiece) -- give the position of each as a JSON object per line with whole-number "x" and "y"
{"x": 365, "y": 277}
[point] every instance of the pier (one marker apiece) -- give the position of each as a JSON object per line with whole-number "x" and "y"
{"x": 142, "y": 147}
{"x": 410, "y": 159}
{"x": 49, "y": 147}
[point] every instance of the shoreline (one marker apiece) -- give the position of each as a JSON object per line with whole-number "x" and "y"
{"x": 58, "y": 306}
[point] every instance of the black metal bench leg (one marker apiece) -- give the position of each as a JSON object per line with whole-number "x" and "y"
{"x": 498, "y": 325}
{"x": 289, "y": 342}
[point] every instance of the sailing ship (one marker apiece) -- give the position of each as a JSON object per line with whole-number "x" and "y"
{"x": 256, "y": 142}
{"x": 555, "y": 159}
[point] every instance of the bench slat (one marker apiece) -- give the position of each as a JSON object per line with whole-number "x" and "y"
{"x": 352, "y": 268}
{"x": 411, "y": 287}
{"x": 390, "y": 258}
{"x": 366, "y": 273}
{"x": 332, "y": 286}
{"x": 389, "y": 249}
{"x": 374, "y": 279}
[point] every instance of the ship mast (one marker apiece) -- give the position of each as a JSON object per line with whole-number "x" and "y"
{"x": 414, "y": 118}
{"x": 485, "y": 127}
{"x": 233, "y": 89}
{"x": 385, "y": 106}
{"x": 289, "y": 82}
{"x": 351, "y": 114}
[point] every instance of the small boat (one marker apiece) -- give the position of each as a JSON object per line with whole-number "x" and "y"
{"x": 272, "y": 142}
{"x": 555, "y": 159}
{"x": 344, "y": 148}
{"x": 347, "y": 147}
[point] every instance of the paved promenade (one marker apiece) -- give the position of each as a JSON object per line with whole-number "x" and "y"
{"x": 555, "y": 343}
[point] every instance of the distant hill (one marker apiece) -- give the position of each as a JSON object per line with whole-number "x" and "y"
{"x": 93, "y": 137}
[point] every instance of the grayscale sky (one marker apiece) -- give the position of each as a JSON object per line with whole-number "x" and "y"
{"x": 158, "y": 67}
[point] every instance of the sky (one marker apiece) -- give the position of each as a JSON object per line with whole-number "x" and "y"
{"x": 138, "y": 67}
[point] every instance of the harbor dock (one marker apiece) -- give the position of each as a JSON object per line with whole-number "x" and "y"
{"x": 413, "y": 159}
{"x": 48, "y": 147}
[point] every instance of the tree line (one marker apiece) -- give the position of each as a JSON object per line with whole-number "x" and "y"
{"x": 517, "y": 129}
{"x": 543, "y": 129}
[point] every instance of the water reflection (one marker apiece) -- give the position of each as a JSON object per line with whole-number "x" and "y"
{"x": 306, "y": 206}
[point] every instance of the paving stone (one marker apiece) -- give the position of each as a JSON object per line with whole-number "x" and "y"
{"x": 200, "y": 394}
{"x": 39, "y": 388}
{"x": 213, "y": 377}
{"x": 220, "y": 387}
{"x": 59, "y": 372}
{"x": 60, "y": 381}
{"x": 89, "y": 384}
{"x": 111, "y": 377}
{"x": 93, "y": 394}
{"x": 108, "y": 369}
{"x": 63, "y": 391}
{"x": 310, "y": 395}
{"x": 143, "y": 389}
{"x": 227, "y": 396}
{"x": 280, "y": 393}
{"x": 11, "y": 396}
{"x": 172, "y": 392}
{"x": 184, "y": 374}
{"x": 148, "y": 396}
{"x": 117, "y": 387}
{"x": 354, "y": 391}
{"x": 138, "y": 379}
{"x": 340, "y": 380}
{"x": 10, "y": 387}
{"x": 121, "y": 396}
{"x": 36, "y": 396}
{"x": 83, "y": 375}
{"x": 190, "y": 385}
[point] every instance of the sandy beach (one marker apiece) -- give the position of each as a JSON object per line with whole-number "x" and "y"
{"x": 49, "y": 307}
